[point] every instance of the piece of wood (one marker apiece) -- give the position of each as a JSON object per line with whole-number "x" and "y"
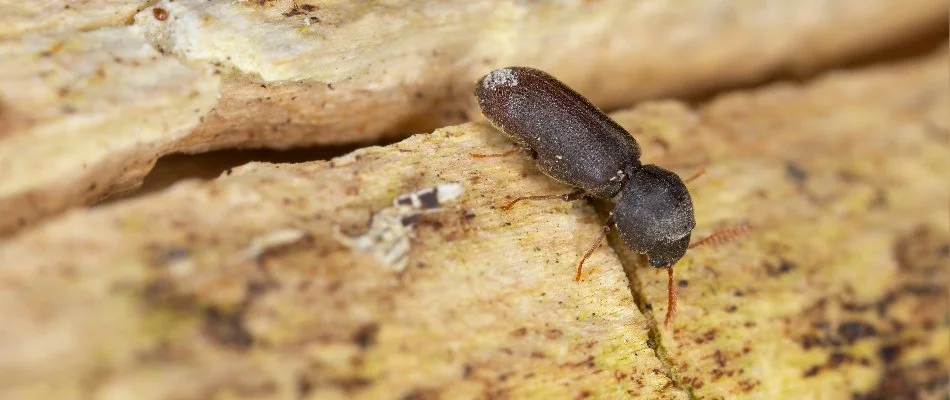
{"x": 164, "y": 285}
{"x": 296, "y": 73}
{"x": 341, "y": 72}
{"x": 86, "y": 115}
{"x": 841, "y": 289}
{"x": 18, "y": 18}
{"x": 240, "y": 287}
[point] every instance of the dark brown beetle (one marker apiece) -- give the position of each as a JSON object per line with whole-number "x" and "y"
{"x": 573, "y": 142}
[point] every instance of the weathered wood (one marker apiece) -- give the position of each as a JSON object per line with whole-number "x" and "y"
{"x": 340, "y": 72}
{"x": 164, "y": 285}
{"x": 84, "y": 115}
{"x": 240, "y": 287}
{"x": 842, "y": 289}
{"x": 18, "y": 18}
{"x": 296, "y": 73}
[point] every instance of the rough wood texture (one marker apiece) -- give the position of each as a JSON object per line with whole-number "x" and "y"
{"x": 196, "y": 292}
{"x": 297, "y": 73}
{"x": 18, "y": 18}
{"x": 332, "y": 72}
{"x": 842, "y": 289}
{"x": 85, "y": 115}
{"x": 163, "y": 287}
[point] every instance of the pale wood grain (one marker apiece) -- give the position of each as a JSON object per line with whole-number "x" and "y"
{"x": 157, "y": 297}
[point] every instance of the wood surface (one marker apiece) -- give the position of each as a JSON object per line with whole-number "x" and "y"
{"x": 240, "y": 287}
{"x": 93, "y": 91}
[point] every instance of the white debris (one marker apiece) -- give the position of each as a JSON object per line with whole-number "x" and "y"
{"x": 270, "y": 240}
{"x": 391, "y": 229}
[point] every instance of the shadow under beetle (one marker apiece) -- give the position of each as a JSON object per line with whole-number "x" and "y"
{"x": 573, "y": 142}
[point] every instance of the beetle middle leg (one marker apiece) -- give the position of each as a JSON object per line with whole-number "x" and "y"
{"x": 575, "y": 195}
{"x": 594, "y": 246}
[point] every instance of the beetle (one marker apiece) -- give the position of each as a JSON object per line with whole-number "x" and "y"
{"x": 574, "y": 142}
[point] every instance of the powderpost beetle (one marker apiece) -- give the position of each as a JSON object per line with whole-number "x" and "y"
{"x": 574, "y": 142}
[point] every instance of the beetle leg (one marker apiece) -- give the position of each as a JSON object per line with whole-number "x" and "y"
{"x": 492, "y": 155}
{"x": 575, "y": 195}
{"x": 594, "y": 246}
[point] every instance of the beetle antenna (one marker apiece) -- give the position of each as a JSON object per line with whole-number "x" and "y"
{"x": 701, "y": 172}
{"x": 723, "y": 236}
{"x": 670, "y": 297}
{"x": 594, "y": 246}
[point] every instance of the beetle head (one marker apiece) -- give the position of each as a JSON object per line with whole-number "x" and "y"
{"x": 654, "y": 215}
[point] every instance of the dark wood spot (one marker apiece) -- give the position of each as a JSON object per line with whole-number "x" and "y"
{"x": 927, "y": 379}
{"x": 173, "y": 255}
{"x": 160, "y": 13}
{"x": 304, "y": 387}
{"x": 837, "y": 358}
{"x": 794, "y": 172}
{"x": 467, "y": 370}
{"x": 879, "y": 201}
{"x": 851, "y": 331}
{"x": 809, "y": 341}
{"x": 706, "y": 337}
{"x": 889, "y": 353}
{"x": 783, "y": 267}
{"x": 365, "y": 336}
{"x": 922, "y": 251}
{"x": 421, "y": 394}
{"x": 294, "y": 11}
{"x": 227, "y": 328}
